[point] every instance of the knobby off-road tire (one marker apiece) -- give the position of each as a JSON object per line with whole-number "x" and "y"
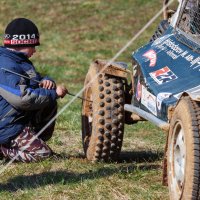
{"x": 183, "y": 156}
{"x": 103, "y": 119}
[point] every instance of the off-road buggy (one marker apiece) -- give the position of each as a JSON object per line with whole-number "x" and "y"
{"x": 165, "y": 90}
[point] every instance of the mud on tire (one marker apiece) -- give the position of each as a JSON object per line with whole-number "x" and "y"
{"x": 103, "y": 119}
{"x": 183, "y": 154}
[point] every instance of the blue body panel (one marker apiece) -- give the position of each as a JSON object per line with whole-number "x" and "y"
{"x": 168, "y": 68}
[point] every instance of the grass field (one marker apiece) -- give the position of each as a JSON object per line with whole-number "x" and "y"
{"x": 73, "y": 34}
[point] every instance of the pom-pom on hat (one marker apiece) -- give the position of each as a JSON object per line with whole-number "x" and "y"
{"x": 21, "y": 32}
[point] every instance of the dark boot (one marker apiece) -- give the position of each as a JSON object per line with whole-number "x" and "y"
{"x": 41, "y": 118}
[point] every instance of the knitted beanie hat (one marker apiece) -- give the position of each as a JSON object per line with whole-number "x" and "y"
{"x": 21, "y": 32}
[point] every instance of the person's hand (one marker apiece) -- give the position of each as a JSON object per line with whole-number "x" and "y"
{"x": 47, "y": 84}
{"x": 61, "y": 91}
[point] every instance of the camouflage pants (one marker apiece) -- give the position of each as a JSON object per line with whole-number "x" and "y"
{"x": 26, "y": 148}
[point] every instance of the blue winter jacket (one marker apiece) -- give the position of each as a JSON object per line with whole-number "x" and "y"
{"x": 19, "y": 96}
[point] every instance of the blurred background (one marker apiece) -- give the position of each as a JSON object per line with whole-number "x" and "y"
{"x": 73, "y": 33}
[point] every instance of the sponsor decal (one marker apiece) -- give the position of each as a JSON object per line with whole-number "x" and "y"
{"x": 138, "y": 90}
{"x": 6, "y": 36}
{"x": 148, "y": 100}
{"x": 174, "y": 51}
{"x": 160, "y": 97}
{"x": 21, "y": 39}
{"x": 151, "y": 55}
{"x": 190, "y": 91}
{"x": 163, "y": 75}
{"x": 27, "y": 41}
{"x": 161, "y": 39}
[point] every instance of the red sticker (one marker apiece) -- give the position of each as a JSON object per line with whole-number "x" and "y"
{"x": 26, "y": 41}
{"x": 151, "y": 55}
{"x": 163, "y": 75}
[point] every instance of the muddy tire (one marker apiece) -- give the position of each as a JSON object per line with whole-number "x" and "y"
{"x": 103, "y": 119}
{"x": 183, "y": 154}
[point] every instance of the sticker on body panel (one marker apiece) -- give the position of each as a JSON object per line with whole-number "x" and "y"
{"x": 163, "y": 75}
{"x": 161, "y": 39}
{"x": 160, "y": 97}
{"x": 149, "y": 100}
{"x": 191, "y": 91}
{"x": 151, "y": 56}
{"x": 138, "y": 90}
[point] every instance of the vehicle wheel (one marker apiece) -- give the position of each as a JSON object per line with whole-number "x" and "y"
{"x": 103, "y": 119}
{"x": 183, "y": 154}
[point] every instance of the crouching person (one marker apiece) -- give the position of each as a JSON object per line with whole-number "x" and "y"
{"x": 25, "y": 106}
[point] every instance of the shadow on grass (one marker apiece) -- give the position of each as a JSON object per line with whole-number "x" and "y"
{"x": 129, "y": 162}
{"x": 63, "y": 177}
{"x": 125, "y": 156}
{"x": 140, "y": 156}
{"x": 54, "y": 177}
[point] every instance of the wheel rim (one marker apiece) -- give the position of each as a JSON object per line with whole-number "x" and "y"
{"x": 177, "y": 158}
